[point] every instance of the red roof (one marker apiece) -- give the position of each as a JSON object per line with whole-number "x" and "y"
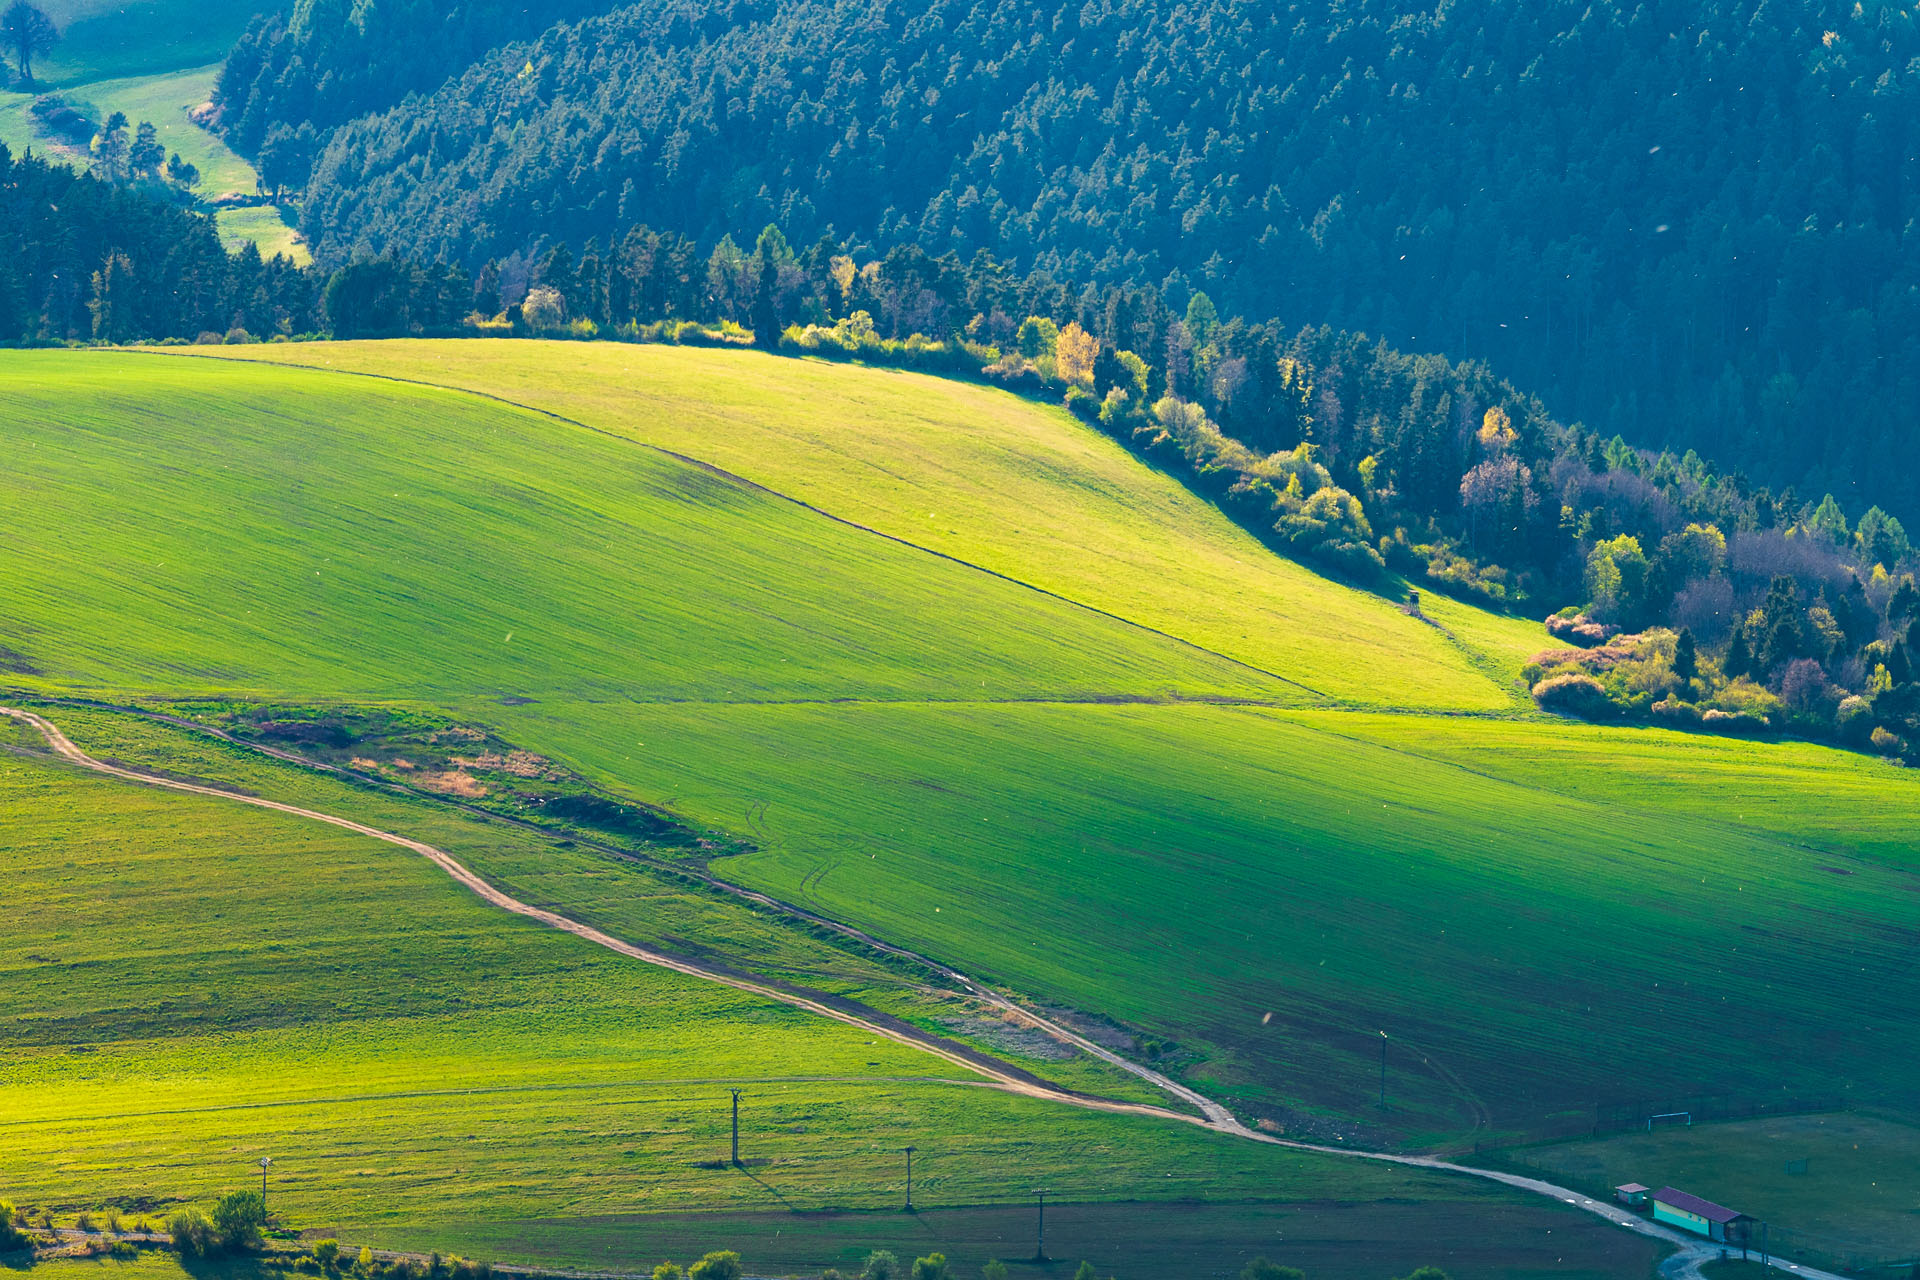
{"x": 1694, "y": 1204}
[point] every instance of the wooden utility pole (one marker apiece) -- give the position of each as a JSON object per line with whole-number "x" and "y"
{"x": 1383, "y": 1071}
{"x": 736, "y": 1125}
{"x": 910, "y": 1151}
{"x": 1040, "y": 1244}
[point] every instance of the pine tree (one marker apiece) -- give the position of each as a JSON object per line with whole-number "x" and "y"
{"x": 1686, "y": 662}
{"x": 1739, "y": 660}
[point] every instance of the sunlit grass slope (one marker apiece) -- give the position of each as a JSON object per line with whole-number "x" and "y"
{"x": 193, "y": 984}
{"x": 1020, "y": 488}
{"x": 924, "y": 749}
{"x": 187, "y": 526}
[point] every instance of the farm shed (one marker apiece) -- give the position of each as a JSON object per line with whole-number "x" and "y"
{"x": 1703, "y": 1217}
{"x": 1631, "y": 1193}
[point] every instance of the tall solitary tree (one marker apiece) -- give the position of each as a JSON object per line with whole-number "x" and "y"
{"x": 28, "y": 32}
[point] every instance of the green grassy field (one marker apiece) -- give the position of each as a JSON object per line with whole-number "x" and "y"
{"x": 193, "y": 983}
{"x": 1125, "y": 808}
{"x": 997, "y": 481}
{"x": 1330, "y": 1240}
{"x": 109, "y": 39}
{"x": 1857, "y": 1204}
{"x": 929, "y": 751}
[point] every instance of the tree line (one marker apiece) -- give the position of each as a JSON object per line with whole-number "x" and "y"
{"x": 84, "y": 258}
{"x": 1372, "y": 463}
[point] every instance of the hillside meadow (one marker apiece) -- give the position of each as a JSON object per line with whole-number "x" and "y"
{"x": 1138, "y": 817}
{"x": 429, "y": 1072}
{"x": 993, "y": 479}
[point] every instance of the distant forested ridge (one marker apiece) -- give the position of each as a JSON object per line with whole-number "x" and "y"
{"x": 1688, "y": 223}
{"x": 297, "y": 75}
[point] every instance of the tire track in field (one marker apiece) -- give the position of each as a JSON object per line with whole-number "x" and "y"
{"x": 1682, "y": 1265}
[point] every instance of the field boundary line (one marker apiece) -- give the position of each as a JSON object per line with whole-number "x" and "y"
{"x": 735, "y": 477}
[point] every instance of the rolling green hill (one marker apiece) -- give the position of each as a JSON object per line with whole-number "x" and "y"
{"x": 984, "y": 476}
{"x": 429, "y": 1072}
{"x": 1176, "y": 802}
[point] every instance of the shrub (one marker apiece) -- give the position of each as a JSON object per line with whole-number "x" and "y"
{"x": 880, "y": 1265}
{"x": 721, "y": 1265}
{"x": 931, "y": 1267}
{"x": 1675, "y": 711}
{"x": 1083, "y": 404}
{"x": 327, "y": 1252}
{"x": 1854, "y": 717}
{"x": 544, "y": 308}
{"x": 668, "y": 1271}
{"x": 193, "y": 1234}
{"x": 1574, "y": 694}
{"x": 1887, "y": 744}
{"x": 86, "y": 1223}
{"x": 237, "y": 337}
{"x": 1732, "y": 721}
{"x": 994, "y": 1270}
{"x": 1745, "y": 698}
{"x": 365, "y": 1261}
{"x": 238, "y": 1218}
{"x": 1576, "y": 627}
{"x": 12, "y": 1239}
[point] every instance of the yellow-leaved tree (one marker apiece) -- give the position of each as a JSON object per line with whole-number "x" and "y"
{"x": 1074, "y": 355}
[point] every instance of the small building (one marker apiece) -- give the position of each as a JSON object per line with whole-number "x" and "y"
{"x": 1631, "y": 1193}
{"x": 1702, "y": 1217}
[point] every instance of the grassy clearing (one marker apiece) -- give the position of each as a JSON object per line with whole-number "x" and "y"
{"x": 1857, "y": 1204}
{"x": 110, "y": 39}
{"x": 193, "y": 984}
{"x": 164, "y": 97}
{"x": 155, "y": 60}
{"x": 981, "y": 474}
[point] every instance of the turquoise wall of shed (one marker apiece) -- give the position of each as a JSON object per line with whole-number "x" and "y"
{"x": 1681, "y": 1218}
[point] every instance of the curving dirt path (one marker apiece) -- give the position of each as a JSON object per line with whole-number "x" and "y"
{"x": 1683, "y": 1264}
{"x": 996, "y": 1077}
